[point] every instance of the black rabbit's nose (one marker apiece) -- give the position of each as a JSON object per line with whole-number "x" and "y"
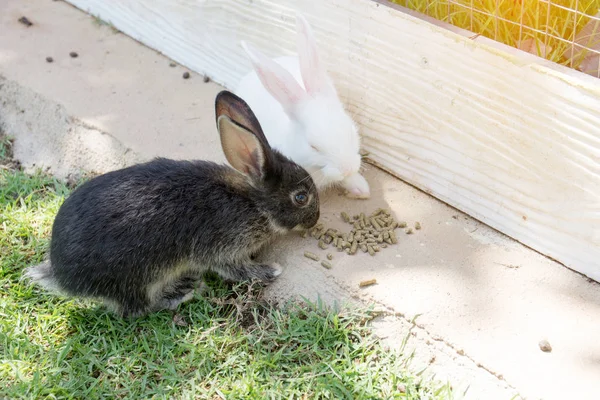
{"x": 314, "y": 220}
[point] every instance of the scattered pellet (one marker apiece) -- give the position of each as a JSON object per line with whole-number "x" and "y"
{"x": 186, "y": 75}
{"x": 545, "y": 346}
{"x": 375, "y": 223}
{"x": 345, "y": 216}
{"x": 350, "y": 237}
{"x": 326, "y": 264}
{"x": 312, "y": 256}
{"x": 172, "y": 65}
{"x": 49, "y": 59}
{"x": 73, "y": 54}
{"x": 369, "y": 233}
{"x": 367, "y": 283}
{"x": 206, "y": 79}
{"x": 329, "y": 256}
{"x": 25, "y": 21}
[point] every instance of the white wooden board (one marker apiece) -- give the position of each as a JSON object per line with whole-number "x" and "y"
{"x": 504, "y": 136}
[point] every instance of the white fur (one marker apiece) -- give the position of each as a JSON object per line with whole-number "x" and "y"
{"x": 42, "y": 275}
{"x": 356, "y": 186}
{"x": 298, "y": 107}
{"x": 172, "y": 304}
{"x": 278, "y": 269}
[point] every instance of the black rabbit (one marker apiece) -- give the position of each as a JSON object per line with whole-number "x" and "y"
{"x": 140, "y": 238}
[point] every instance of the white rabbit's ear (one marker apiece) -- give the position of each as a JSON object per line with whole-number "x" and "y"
{"x": 277, "y": 80}
{"x": 314, "y": 75}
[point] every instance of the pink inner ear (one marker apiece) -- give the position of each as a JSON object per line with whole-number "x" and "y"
{"x": 249, "y": 155}
{"x": 242, "y": 148}
{"x": 277, "y": 81}
{"x": 255, "y": 161}
{"x": 286, "y": 93}
{"x": 314, "y": 75}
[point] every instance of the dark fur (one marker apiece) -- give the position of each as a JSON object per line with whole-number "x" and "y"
{"x": 162, "y": 224}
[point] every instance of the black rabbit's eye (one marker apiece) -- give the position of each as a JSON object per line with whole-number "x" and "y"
{"x": 301, "y": 198}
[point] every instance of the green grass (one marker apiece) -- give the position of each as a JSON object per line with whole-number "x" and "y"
{"x": 231, "y": 345}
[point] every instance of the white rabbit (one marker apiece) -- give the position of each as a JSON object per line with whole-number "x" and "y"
{"x": 302, "y": 115}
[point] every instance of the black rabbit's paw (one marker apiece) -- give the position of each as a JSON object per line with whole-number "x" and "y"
{"x": 274, "y": 270}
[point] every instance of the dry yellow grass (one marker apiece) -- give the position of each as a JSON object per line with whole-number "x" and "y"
{"x": 547, "y": 27}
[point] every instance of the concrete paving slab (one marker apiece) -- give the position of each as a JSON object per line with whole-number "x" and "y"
{"x": 482, "y": 301}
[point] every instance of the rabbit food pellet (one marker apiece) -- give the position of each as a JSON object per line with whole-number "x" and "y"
{"x": 369, "y": 234}
{"x": 367, "y": 283}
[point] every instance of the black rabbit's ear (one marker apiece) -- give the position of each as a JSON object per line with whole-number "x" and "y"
{"x": 239, "y": 111}
{"x": 242, "y": 148}
{"x": 242, "y": 138}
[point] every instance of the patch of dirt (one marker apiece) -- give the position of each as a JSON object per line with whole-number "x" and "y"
{"x": 6, "y": 153}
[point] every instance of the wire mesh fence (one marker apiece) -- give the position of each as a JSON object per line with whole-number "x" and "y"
{"x": 563, "y": 31}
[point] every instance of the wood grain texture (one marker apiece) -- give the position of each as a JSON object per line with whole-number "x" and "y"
{"x": 506, "y": 137}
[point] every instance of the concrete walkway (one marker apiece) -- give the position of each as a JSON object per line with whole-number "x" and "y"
{"x": 483, "y": 301}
